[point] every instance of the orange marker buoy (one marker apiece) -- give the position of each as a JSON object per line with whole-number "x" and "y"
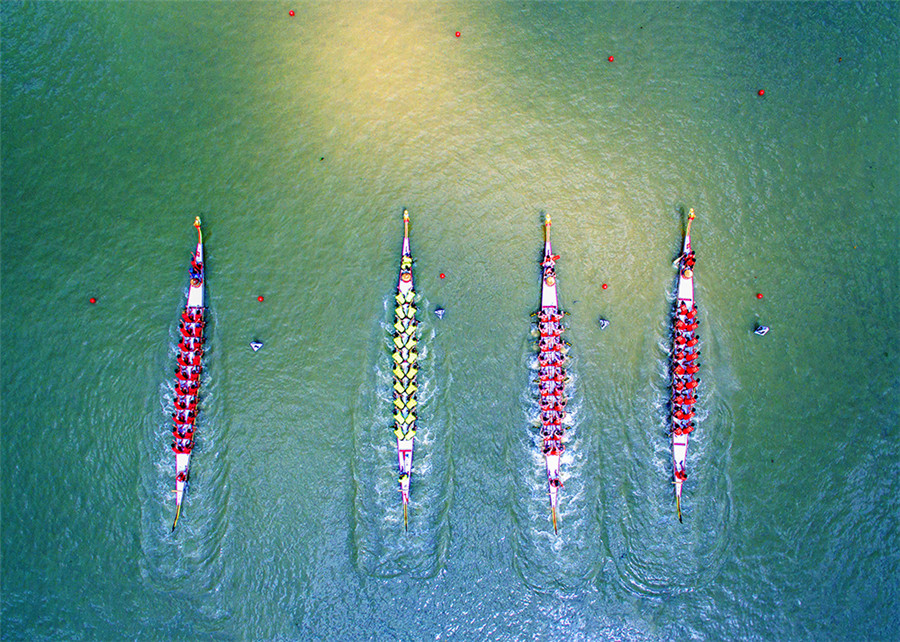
{"x": 761, "y": 92}
{"x": 260, "y": 298}
{"x": 604, "y": 286}
{"x": 443, "y": 275}
{"x": 457, "y": 34}
{"x": 92, "y": 300}
{"x": 759, "y": 295}
{"x": 291, "y": 13}
{"x": 612, "y": 59}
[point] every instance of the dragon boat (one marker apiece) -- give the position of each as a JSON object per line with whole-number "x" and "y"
{"x": 405, "y": 359}
{"x": 551, "y": 374}
{"x": 187, "y": 374}
{"x": 684, "y": 364}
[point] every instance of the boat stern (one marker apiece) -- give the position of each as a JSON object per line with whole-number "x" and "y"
{"x": 404, "y": 488}
{"x": 553, "y": 480}
{"x": 679, "y": 465}
{"x": 404, "y": 454}
{"x": 182, "y": 464}
{"x": 404, "y": 463}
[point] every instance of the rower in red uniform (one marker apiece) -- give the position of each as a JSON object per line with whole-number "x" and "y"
{"x": 183, "y": 432}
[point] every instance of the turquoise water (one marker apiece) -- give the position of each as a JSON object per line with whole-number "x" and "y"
{"x": 299, "y": 141}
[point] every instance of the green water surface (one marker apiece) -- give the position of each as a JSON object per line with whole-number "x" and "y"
{"x": 299, "y": 140}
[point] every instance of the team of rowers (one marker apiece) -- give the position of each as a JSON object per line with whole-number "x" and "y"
{"x": 684, "y": 365}
{"x": 551, "y": 376}
{"x": 187, "y": 384}
{"x": 551, "y": 380}
{"x": 405, "y": 356}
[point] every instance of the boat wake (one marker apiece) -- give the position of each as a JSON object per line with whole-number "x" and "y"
{"x": 189, "y": 559}
{"x": 654, "y": 554}
{"x": 548, "y": 561}
{"x": 382, "y": 548}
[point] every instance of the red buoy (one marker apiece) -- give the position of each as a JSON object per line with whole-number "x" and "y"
{"x": 761, "y": 92}
{"x": 457, "y": 34}
{"x": 291, "y": 13}
{"x": 443, "y": 275}
{"x": 612, "y": 59}
{"x": 260, "y": 298}
{"x": 759, "y": 295}
{"x": 92, "y": 300}
{"x": 604, "y": 286}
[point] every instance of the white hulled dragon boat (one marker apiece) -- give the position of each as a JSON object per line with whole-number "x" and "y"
{"x": 187, "y": 382}
{"x": 405, "y": 366}
{"x": 551, "y": 374}
{"x": 684, "y": 363}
